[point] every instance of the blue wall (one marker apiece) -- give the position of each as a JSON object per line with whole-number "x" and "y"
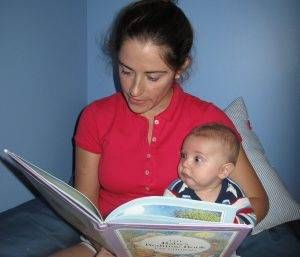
{"x": 43, "y": 86}
{"x": 51, "y": 66}
{"x": 242, "y": 48}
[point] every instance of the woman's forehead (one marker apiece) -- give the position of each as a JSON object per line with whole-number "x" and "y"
{"x": 140, "y": 53}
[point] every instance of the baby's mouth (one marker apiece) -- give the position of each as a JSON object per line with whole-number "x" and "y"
{"x": 184, "y": 176}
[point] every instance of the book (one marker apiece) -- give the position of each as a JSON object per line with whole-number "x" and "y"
{"x": 146, "y": 226}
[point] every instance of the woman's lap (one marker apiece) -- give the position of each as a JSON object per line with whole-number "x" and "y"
{"x": 33, "y": 229}
{"x": 281, "y": 241}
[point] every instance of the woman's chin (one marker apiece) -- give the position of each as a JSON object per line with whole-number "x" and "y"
{"x": 138, "y": 109}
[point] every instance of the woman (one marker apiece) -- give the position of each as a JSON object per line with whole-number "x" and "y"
{"x": 128, "y": 144}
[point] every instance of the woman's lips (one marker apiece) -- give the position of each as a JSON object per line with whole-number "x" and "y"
{"x": 135, "y": 101}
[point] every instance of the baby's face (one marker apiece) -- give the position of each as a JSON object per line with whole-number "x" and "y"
{"x": 200, "y": 162}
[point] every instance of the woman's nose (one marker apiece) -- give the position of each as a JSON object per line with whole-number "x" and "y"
{"x": 136, "y": 88}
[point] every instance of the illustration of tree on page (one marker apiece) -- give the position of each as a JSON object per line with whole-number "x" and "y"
{"x": 148, "y": 226}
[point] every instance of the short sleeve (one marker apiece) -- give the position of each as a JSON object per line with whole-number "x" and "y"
{"x": 87, "y": 132}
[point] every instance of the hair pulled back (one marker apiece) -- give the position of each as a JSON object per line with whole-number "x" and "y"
{"x": 159, "y": 21}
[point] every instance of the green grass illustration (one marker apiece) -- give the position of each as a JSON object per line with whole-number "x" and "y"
{"x": 202, "y": 215}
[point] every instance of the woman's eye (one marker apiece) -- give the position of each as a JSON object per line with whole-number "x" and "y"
{"x": 125, "y": 72}
{"x": 152, "y": 78}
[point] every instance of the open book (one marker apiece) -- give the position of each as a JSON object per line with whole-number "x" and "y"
{"x": 147, "y": 226}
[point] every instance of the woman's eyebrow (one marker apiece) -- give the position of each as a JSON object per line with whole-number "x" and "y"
{"x": 147, "y": 72}
{"x": 120, "y": 63}
{"x": 156, "y": 71}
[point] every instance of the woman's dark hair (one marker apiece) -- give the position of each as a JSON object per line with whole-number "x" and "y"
{"x": 159, "y": 21}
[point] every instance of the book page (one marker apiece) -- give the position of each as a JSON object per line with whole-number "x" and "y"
{"x": 56, "y": 184}
{"x": 73, "y": 206}
{"x": 159, "y": 209}
{"x": 72, "y": 192}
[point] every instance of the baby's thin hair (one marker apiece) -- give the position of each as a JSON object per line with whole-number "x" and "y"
{"x": 222, "y": 133}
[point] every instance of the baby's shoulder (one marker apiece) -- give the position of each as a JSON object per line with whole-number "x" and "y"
{"x": 232, "y": 187}
{"x": 175, "y": 184}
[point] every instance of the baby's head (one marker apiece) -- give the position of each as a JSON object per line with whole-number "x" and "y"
{"x": 228, "y": 142}
{"x": 209, "y": 153}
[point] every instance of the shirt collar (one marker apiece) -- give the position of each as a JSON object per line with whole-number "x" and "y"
{"x": 176, "y": 99}
{"x": 169, "y": 112}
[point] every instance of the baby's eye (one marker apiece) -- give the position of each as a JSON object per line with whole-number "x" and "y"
{"x": 198, "y": 159}
{"x": 182, "y": 155}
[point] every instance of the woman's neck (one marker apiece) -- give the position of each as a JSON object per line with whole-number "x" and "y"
{"x": 159, "y": 108}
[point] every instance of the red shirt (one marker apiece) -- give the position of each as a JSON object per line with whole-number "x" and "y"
{"x": 130, "y": 167}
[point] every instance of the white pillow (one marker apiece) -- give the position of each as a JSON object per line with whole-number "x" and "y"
{"x": 282, "y": 208}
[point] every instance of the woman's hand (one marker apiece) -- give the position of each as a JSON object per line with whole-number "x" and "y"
{"x": 104, "y": 253}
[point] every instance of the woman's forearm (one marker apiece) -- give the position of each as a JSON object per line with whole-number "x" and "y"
{"x": 246, "y": 177}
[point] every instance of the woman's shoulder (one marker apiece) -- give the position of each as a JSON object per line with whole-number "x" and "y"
{"x": 106, "y": 103}
{"x": 105, "y": 107}
{"x": 198, "y": 104}
{"x": 95, "y": 121}
{"x": 203, "y": 111}
{"x": 102, "y": 110}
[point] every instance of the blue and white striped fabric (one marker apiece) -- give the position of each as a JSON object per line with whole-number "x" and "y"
{"x": 282, "y": 207}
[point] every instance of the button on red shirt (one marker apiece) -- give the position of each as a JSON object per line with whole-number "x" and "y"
{"x": 109, "y": 128}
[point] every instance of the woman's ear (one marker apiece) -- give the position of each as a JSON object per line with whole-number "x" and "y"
{"x": 226, "y": 169}
{"x": 177, "y": 75}
{"x": 186, "y": 64}
{"x": 183, "y": 68}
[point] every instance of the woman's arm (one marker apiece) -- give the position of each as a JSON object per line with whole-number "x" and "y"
{"x": 86, "y": 181}
{"x": 86, "y": 174}
{"x": 246, "y": 177}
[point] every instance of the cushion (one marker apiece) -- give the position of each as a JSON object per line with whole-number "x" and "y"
{"x": 282, "y": 207}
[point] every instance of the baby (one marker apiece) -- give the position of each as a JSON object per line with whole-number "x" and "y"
{"x": 208, "y": 155}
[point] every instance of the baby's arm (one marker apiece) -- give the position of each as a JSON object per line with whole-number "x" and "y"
{"x": 169, "y": 193}
{"x": 245, "y": 213}
{"x": 172, "y": 189}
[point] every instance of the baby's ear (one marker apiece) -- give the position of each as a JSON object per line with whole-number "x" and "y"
{"x": 226, "y": 169}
